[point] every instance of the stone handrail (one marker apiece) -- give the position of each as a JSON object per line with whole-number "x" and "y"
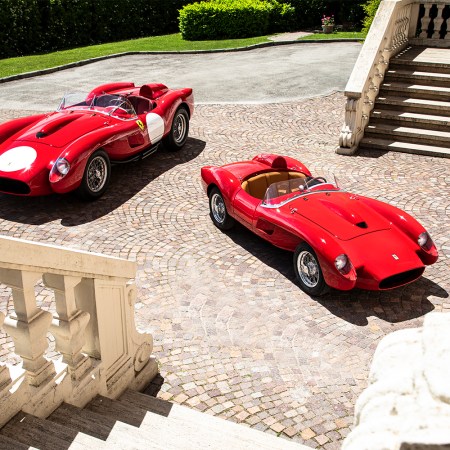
{"x": 396, "y": 24}
{"x": 100, "y": 350}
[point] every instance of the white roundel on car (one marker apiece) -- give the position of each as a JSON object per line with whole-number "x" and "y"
{"x": 17, "y": 158}
{"x": 155, "y": 127}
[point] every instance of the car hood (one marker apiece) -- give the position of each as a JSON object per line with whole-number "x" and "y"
{"x": 340, "y": 213}
{"x": 60, "y": 129}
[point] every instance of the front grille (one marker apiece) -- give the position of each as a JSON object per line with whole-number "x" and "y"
{"x": 14, "y": 186}
{"x": 401, "y": 278}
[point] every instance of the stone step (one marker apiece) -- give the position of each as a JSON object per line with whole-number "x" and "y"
{"x": 199, "y": 430}
{"x": 405, "y": 147}
{"x": 46, "y": 435}
{"x": 409, "y": 134}
{"x": 88, "y": 422}
{"x": 7, "y": 443}
{"x": 116, "y": 410}
{"x": 416, "y": 105}
{"x": 423, "y": 66}
{"x": 419, "y": 91}
{"x": 426, "y": 121}
{"x": 417, "y": 77}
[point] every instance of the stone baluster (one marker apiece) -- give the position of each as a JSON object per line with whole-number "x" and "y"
{"x": 4, "y": 372}
{"x": 425, "y": 22}
{"x": 438, "y": 21}
{"x": 69, "y": 324}
{"x": 28, "y": 325}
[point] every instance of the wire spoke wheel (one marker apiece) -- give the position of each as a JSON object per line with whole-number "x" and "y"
{"x": 218, "y": 208}
{"x": 308, "y": 269}
{"x": 179, "y": 128}
{"x": 96, "y": 174}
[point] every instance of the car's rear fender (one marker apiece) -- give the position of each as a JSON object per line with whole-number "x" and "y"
{"x": 225, "y": 181}
{"x": 168, "y": 104}
{"x": 12, "y": 127}
{"x": 79, "y": 151}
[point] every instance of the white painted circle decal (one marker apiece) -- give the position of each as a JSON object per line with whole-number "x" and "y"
{"x": 155, "y": 127}
{"x": 17, "y": 158}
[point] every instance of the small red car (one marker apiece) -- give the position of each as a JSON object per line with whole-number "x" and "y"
{"x": 339, "y": 239}
{"x": 73, "y": 148}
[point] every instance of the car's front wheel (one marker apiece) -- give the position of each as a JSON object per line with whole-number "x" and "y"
{"x": 178, "y": 132}
{"x": 218, "y": 210}
{"x": 96, "y": 176}
{"x": 307, "y": 270}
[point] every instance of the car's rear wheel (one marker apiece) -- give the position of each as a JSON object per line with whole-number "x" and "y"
{"x": 218, "y": 210}
{"x": 307, "y": 270}
{"x": 178, "y": 132}
{"x": 96, "y": 176}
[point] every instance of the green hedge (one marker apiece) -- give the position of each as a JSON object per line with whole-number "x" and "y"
{"x": 33, "y": 26}
{"x": 220, "y": 19}
{"x": 370, "y": 9}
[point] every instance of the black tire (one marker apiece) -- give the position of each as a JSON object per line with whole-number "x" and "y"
{"x": 218, "y": 211}
{"x": 310, "y": 278}
{"x": 179, "y": 131}
{"x": 96, "y": 176}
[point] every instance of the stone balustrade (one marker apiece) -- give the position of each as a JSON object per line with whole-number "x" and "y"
{"x": 396, "y": 24}
{"x": 407, "y": 403}
{"x": 100, "y": 350}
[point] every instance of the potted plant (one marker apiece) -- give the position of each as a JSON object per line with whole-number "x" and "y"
{"x": 327, "y": 24}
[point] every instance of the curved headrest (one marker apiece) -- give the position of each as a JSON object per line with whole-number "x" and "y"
{"x": 273, "y": 161}
{"x": 146, "y": 91}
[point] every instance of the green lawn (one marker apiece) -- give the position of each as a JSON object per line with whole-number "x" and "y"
{"x": 336, "y": 35}
{"x": 170, "y": 42}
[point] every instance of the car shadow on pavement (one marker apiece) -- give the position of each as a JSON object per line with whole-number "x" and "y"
{"x": 356, "y": 306}
{"x": 126, "y": 181}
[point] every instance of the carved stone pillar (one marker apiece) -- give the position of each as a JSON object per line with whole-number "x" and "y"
{"x": 5, "y": 378}
{"x": 69, "y": 324}
{"x": 425, "y": 21}
{"x": 437, "y": 22}
{"x": 28, "y": 325}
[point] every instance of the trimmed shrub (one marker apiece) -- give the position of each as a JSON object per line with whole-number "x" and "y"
{"x": 33, "y": 26}
{"x": 370, "y": 8}
{"x": 219, "y": 19}
{"x": 20, "y": 27}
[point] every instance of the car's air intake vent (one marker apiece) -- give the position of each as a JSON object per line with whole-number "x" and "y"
{"x": 361, "y": 224}
{"x": 14, "y": 186}
{"x": 40, "y": 134}
{"x": 401, "y": 278}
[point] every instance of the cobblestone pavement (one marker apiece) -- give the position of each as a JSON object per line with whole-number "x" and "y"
{"x": 234, "y": 334}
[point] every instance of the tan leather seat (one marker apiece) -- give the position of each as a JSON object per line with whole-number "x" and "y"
{"x": 257, "y": 186}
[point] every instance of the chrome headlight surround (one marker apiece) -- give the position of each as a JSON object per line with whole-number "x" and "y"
{"x": 59, "y": 170}
{"x": 342, "y": 262}
{"x": 423, "y": 239}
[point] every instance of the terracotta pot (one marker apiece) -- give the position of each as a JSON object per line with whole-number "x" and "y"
{"x": 327, "y": 29}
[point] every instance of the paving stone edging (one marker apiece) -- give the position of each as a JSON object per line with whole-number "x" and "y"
{"x": 84, "y": 62}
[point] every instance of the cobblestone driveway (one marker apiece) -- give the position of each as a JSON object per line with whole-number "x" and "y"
{"x": 234, "y": 334}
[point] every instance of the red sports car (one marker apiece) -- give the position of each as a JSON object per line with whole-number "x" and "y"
{"x": 339, "y": 239}
{"x": 73, "y": 147}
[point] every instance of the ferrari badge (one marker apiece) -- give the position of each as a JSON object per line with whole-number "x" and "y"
{"x": 140, "y": 124}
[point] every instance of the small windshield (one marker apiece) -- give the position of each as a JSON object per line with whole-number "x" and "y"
{"x": 280, "y": 193}
{"x": 110, "y": 104}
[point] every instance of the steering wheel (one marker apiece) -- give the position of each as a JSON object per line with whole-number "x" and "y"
{"x": 116, "y": 110}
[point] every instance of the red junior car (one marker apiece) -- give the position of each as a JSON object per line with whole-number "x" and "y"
{"x": 339, "y": 239}
{"x": 73, "y": 148}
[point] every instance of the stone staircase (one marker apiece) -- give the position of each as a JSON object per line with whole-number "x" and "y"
{"x": 133, "y": 421}
{"x": 412, "y": 111}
